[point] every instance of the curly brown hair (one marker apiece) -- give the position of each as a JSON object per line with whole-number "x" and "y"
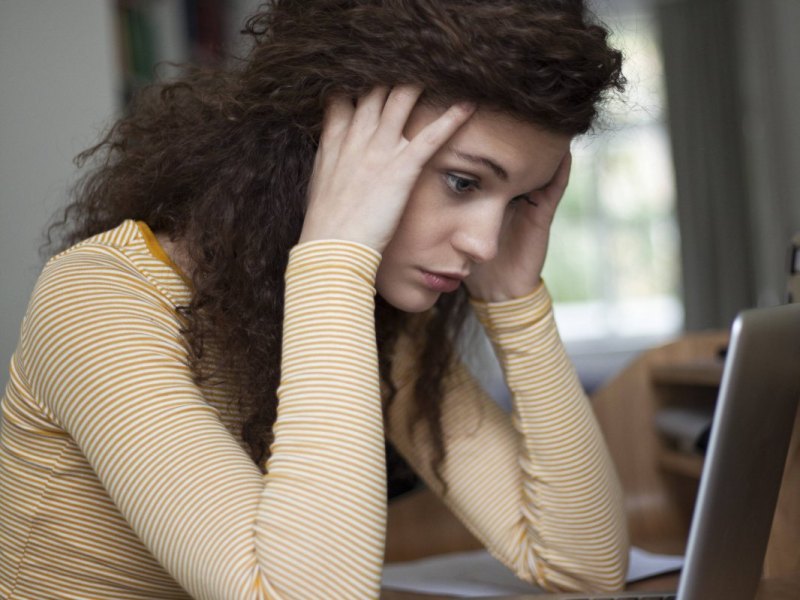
{"x": 220, "y": 159}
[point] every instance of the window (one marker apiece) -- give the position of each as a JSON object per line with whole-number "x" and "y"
{"x": 613, "y": 266}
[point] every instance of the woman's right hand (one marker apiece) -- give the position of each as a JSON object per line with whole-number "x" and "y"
{"x": 364, "y": 169}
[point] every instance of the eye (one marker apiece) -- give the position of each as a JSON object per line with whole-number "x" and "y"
{"x": 460, "y": 185}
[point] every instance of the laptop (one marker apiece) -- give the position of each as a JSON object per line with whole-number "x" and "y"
{"x": 752, "y": 427}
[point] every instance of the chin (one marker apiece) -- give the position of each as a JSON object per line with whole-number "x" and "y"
{"x": 411, "y": 302}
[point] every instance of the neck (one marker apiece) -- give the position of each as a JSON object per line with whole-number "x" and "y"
{"x": 176, "y": 252}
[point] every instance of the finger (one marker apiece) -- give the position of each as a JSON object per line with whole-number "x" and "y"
{"x": 428, "y": 141}
{"x": 336, "y": 122}
{"x": 338, "y": 115}
{"x": 399, "y": 104}
{"x": 561, "y": 178}
{"x": 554, "y": 191}
{"x": 369, "y": 108}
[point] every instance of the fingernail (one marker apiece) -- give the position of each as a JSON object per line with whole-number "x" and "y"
{"x": 467, "y": 106}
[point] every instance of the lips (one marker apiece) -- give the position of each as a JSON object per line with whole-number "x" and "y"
{"x": 442, "y": 282}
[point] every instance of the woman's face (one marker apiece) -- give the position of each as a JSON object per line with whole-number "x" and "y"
{"x": 462, "y": 201}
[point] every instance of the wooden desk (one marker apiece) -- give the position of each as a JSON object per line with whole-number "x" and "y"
{"x": 655, "y": 584}
{"x": 770, "y": 589}
{"x": 786, "y": 588}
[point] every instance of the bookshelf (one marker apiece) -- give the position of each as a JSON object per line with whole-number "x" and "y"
{"x": 703, "y": 372}
{"x": 687, "y": 389}
{"x": 681, "y": 463}
{"x": 154, "y": 36}
{"x": 659, "y": 480}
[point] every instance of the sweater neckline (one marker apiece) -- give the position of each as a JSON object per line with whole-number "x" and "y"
{"x": 158, "y": 251}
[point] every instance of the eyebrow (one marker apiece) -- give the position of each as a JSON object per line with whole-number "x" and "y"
{"x": 481, "y": 160}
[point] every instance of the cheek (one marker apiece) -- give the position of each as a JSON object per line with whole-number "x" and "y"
{"x": 427, "y": 216}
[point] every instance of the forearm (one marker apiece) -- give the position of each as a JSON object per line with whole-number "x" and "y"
{"x": 328, "y": 453}
{"x": 571, "y": 496}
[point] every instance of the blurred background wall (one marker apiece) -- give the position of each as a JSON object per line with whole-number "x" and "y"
{"x": 57, "y": 90}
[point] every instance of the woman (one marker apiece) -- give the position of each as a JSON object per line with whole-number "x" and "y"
{"x": 206, "y": 376}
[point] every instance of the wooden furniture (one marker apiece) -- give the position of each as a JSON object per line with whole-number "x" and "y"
{"x": 783, "y": 550}
{"x": 420, "y": 525}
{"x": 659, "y": 483}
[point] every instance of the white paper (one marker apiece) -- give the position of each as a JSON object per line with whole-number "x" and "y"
{"x": 643, "y": 564}
{"x": 465, "y": 574}
{"x": 476, "y": 574}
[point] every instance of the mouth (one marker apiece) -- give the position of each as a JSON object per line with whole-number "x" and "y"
{"x": 442, "y": 282}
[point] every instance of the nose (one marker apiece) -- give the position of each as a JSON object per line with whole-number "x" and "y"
{"x": 479, "y": 235}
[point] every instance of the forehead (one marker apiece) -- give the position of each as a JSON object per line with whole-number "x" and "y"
{"x": 524, "y": 150}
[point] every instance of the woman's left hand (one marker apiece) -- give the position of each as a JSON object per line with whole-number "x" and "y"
{"x": 516, "y": 269}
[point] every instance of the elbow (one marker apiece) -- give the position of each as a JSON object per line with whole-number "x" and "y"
{"x": 265, "y": 587}
{"x": 603, "y": 575}
{"x": 581, "y": 580}
{"x": 598, "y": 570}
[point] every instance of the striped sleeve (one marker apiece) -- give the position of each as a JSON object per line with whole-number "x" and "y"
{"x": 538, "y": 487}
{"x": 107, "y": 362}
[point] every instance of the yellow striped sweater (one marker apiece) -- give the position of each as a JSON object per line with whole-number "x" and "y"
{"x": 121, "y": 478}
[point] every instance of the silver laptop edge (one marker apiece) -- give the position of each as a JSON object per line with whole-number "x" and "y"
{"x": 753, "y": 424}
